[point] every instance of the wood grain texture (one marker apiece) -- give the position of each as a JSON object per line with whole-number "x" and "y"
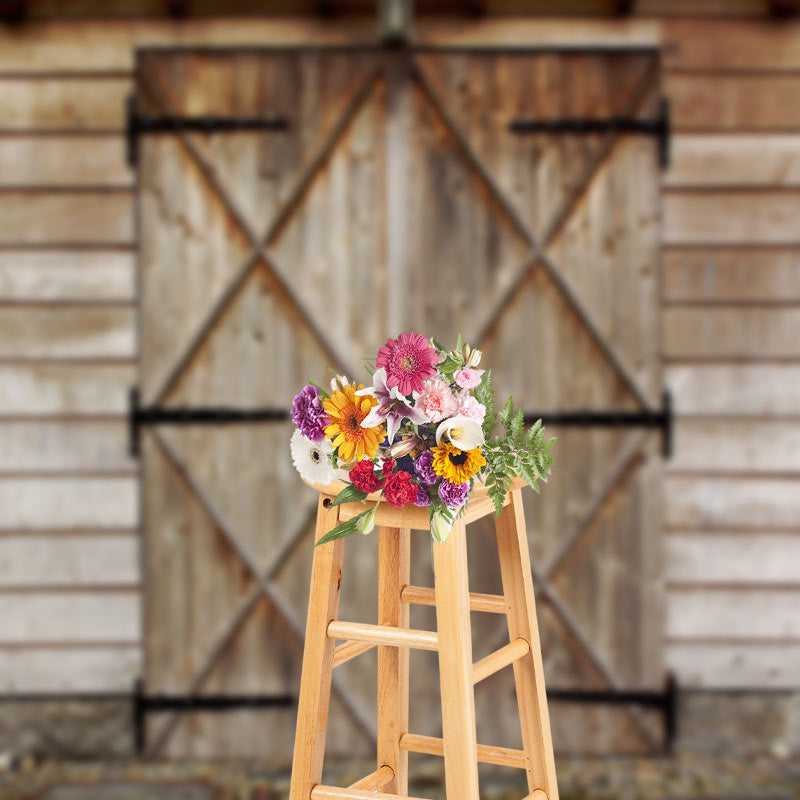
{"x": 315, "y": 681}
{"x": 394, "y": 572}
{"x": 737, "y": 102}
{"x": 96, "y": 669}
{"x": 512, "y": 544}
{"x": 68, "y": 617}
{"x": 742, "y": 389}
{"x": 719, "y": 274}
{"x": 64, "y": 161}
{"x": 731, "y": 502}
{"x": 751, "y": 333}
{"x": 745, "y": 557}
{"x": 455, "y": 665}
{"x": 709, "y": 160}
{"x": 88, "y": 103}
{"x": 55, "y": 503}
{"x": 719, "y": 666}
{"x": 91, "y": 217}
{"x": 62, "y": 560}
{"x": 731, "y": 217}
{"x": 99, "y": 332}
{"x": 67, "y": 275}
{"x": 71, "y": 389}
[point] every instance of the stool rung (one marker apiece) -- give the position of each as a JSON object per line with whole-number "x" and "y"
{"x": 536, "y": 794}
{"x": 421, "y": 595}
{"x": 488, "y": 754}
{"x": 494, "y": 662}
{"x": 320, "y": 792}
{"x": 383, "y": 634}
{"x": 375, "y": 781}
{"x": 344, "y": 652}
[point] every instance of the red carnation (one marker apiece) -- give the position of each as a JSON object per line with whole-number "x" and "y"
{"x": 364, "y": 478}
{"x": 400, "y": 490}
{"x": 388, "y": 467}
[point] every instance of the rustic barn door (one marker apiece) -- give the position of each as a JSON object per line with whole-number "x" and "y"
{"x": 391, "y": 190}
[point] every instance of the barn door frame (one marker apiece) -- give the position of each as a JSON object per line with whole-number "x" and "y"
{"x": 153, "y": 414}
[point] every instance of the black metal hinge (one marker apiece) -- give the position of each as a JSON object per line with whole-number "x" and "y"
{"x": 139, "y": 416}
{"x": 658, "y": 126}
{"x": 139, "y": 124}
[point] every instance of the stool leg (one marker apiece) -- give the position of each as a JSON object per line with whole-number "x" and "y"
{"x": 315, "y": 680}
{"x": 455, "y": 666}
{"x": 512, "y": 543}
{"x": 394, "y": 572}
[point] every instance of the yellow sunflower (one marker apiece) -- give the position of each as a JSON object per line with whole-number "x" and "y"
{"x": 346, "y": 412}
{"x": 457, "y": 466}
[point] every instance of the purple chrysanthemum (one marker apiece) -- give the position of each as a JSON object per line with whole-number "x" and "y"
{"x": 453, "y": 495}
{"x": 423, "y": 466}
{"x": 423, "y": 498}
{"x": 308, "y": 414}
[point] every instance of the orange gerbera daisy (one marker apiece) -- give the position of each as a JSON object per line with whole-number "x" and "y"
{"x": 346, "y": 412}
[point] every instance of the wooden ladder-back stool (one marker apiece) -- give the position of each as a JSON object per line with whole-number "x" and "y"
{"x": 452, "y": 640}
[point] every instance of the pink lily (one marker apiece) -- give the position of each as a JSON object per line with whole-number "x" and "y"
{"x": 392, "y": 407}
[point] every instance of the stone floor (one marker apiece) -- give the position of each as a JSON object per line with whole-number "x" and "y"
{"x": 579, "y": 779}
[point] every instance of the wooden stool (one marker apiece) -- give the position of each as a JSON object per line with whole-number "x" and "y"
{"x": 452, "y": 640}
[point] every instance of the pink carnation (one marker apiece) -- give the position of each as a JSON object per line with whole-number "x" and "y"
{"x": 469, "y": 407}
{"x": 437, "y": 401}
{"x": 468, "y": 378}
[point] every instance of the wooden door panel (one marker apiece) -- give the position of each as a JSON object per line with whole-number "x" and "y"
{"x": 396, "y": 198}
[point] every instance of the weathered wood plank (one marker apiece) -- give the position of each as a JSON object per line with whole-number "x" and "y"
{"x": 720, "y": 274}
{"x": 94, "y": 159}
{"x": 719, "y": 102}
{"x": 714, "y": 44}
{"x": 68, "y": 503}
{"x": 93, "y": 217}
{"x": 730, "y": 217}
{"x": 734, "y": 160}
{"x": 52, "y": 388}
{"x": 746, "y": 558}
{"x": 81, "y": 616}
{"x": 709, "y": 614}
{"x": 758, "y": 389}
{"x": 64, "y": 332}
{"x": 65, "y": 275}
{"x": 61, "y": 446}
{"x": 70, "y": 669}
{"x": 85, "y": 103}
{"x": 722, "y": 446}
{"x": 63, "y": 560}
{"x": 734, "y": 665}
{"x": 731, "y": 332}
{"x": 726, "y": 503}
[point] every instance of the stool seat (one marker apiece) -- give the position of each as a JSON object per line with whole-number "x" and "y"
{"x": 452, "y": 641}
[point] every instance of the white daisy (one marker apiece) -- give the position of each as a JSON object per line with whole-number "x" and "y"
{"x": 312, "y": 459}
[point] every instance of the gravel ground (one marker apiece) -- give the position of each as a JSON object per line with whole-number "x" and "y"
{"x": 604, "y": 779}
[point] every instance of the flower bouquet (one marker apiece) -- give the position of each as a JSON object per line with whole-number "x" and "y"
{"x": 423, "y": 433}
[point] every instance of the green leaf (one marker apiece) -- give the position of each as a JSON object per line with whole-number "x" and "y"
{"x": 340, "y": 531}
{"x": 348, "y": 494}
{"x": 508, "y": 410}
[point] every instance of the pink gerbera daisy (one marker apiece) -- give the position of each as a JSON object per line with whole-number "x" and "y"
{"x": 408, "y": 360}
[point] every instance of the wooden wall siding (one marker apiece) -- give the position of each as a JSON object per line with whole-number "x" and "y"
{"x": 732, "y": 244}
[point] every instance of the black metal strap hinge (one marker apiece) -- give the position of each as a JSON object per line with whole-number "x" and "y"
{"x": 658, "y": 126}
{"x": 154, "y": 415}
{"x": 139, "y": 124}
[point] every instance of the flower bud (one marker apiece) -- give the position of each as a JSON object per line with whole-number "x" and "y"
{"x": 474, "y": 358}
{"x": 440, "y": 528}
{"x": 338, "y": 383}
{"x": 366, "y": 523}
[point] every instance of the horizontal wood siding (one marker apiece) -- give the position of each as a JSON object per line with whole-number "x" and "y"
{"x": 731, "y": 295}
{"x": 731, "y": 289}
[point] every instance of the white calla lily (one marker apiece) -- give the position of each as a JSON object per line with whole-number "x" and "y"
{"x": 462, "y": 432}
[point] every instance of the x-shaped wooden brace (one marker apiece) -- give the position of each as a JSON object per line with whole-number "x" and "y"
{"x": 258, "y": 256}
{"x": 537, "y": 257}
